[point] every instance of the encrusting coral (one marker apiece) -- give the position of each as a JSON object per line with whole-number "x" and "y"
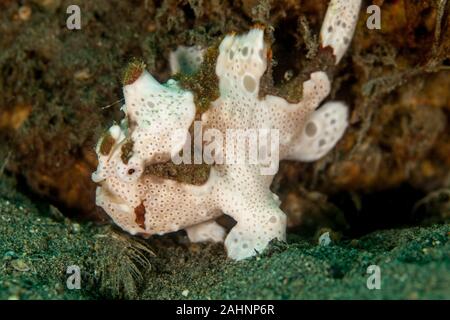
{"x": 156, "y": 129}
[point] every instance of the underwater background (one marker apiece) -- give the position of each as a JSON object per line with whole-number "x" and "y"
{"x": 382, "y": 195}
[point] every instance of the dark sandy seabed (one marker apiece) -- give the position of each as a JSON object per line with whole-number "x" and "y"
{"x": 55, "y": 85}
{"x": 37, "y": 245}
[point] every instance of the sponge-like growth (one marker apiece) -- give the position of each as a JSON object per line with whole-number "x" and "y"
{"x": 339, "y": 25}
{"x": 321, "y": 133}
{"x": 144, "y": 204}
{"x": 154, "y": 111}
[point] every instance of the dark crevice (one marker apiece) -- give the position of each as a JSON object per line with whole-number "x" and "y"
{"x": 285, "y": 52}
{"x": 387, "y": 209}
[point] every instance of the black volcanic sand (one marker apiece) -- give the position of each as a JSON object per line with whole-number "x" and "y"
{"x": 37, "y": 245}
